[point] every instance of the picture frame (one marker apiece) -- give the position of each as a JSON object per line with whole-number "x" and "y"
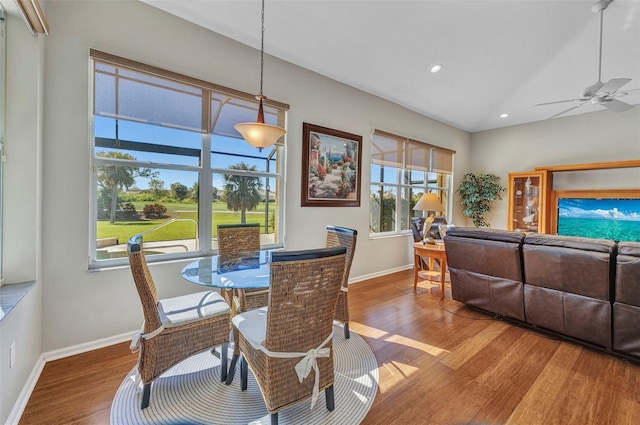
{"x": 331, "y": 167}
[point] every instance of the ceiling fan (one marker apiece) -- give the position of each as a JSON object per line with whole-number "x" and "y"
{"x": 600, "y": 93}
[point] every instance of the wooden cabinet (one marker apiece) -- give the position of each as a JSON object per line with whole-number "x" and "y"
{"x": 529, "y": 193}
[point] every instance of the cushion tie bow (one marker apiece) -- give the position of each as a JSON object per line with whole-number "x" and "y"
{"x": 308, "y": 362}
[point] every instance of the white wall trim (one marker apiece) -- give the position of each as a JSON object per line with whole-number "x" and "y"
{"x": 25, "y": 394}
{"x": 88, "y": 346}
{"x": 378, "y": 274}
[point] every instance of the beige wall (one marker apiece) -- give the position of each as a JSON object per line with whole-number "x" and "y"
{"x": 599, "y": 136}
{"x": 22, "y": 208}
{"x": 80, "y": 306}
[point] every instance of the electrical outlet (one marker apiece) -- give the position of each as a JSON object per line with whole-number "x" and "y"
{"x": 12, "y": 354}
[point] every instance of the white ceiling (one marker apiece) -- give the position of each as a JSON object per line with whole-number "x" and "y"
{"x": 498, "y": 56}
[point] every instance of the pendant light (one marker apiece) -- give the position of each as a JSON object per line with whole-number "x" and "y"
{"x": 259, "y": 134}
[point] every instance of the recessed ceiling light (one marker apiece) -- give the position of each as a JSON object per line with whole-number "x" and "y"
{"x": 504, "y": 115}
{"x": 436, "y": 68}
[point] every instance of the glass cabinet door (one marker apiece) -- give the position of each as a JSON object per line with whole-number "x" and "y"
{"x": 527, "y": 202}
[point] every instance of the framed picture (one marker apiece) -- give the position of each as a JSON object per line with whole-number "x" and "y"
{"x": 331, "y": 167}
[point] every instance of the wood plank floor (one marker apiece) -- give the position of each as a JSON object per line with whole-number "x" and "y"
{"x": 439, "y": 363}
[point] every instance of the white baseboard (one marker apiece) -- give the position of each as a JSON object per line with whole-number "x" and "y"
{"x": 88, "y": 346}
{"x": 27, "y": 389}
{"x": 25, "y": 394}
{"x": 378, "y": 274}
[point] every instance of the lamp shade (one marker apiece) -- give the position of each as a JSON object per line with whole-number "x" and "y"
{"x": 429, "y": 202}
{"x": 260, "y": 135}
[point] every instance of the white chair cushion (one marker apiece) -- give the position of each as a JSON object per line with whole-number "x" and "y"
{"x": 253, "y": 325}
{"x": 191, "y": 308}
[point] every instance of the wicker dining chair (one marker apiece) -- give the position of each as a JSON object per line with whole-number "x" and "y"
{"x": 174, "y": 328}
{"x": 342, "y": 236}
{"x": 238, "y": 239}
{"x": 296, "y": 325}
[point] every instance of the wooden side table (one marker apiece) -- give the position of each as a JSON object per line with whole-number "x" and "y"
{"x": 433, "y": 252}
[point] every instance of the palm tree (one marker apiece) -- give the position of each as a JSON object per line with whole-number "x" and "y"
{"x": 242, "y": 191}
{"x": 114, "y": 178}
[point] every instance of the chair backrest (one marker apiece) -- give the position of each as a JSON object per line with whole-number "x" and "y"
{"x": 342, "y": 236}
{"x": 302, "y": 298}
{"x": 144, "y": 283}
{"x": 235, "y": 238}
{"x": 417, "y": 223}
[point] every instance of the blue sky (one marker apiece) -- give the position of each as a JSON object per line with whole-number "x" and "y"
{"x": 618, "y": 209}
{"x": 141, "y": 132}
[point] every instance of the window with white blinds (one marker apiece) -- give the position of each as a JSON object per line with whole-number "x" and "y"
{"x": 167, "y": 162}
{"x": 402, "y": 170}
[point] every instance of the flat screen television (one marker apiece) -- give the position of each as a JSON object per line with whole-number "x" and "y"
{"x": 603, "y": 218}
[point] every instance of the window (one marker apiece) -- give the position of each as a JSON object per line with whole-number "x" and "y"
{"x": 402, "y": 170}
{"x": 168, "y": 163}
{"x": 2, "y": 124}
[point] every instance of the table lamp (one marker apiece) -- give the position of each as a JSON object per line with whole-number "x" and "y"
{"x": 429, "y": 202}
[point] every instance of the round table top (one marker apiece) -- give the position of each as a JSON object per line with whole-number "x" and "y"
{"x": 249, "y": 270}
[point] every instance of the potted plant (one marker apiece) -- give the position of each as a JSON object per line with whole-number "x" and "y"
{"x": 478, "y": 191}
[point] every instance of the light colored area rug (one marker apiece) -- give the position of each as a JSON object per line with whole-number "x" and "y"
{"x": 191, "y": 393}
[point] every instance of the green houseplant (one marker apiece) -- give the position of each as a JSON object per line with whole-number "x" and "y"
{"x": 478, "y": 191}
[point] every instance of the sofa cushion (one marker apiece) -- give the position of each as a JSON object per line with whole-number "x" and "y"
{"x": 628, "y": 273}
{"x": 487, "y": 234}
{"x": 489, "y": 252}
{"x": 493, "y": 294}
{"x": 574, "y": 315}
{"x": 626, "y": 309}
{"x": 580, "y": 266}
{"x": 486, "y": 269}
{"x": 625, "y": 329}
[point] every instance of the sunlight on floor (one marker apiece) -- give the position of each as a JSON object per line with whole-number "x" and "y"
{"x": 394, "y": 372}
{"x": 370, "y": 332}
{"x": 429, "y": 349}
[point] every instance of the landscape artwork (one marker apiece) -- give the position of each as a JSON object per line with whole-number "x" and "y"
{"x": 331, "y": 167}
{"x": 616, "y": 219}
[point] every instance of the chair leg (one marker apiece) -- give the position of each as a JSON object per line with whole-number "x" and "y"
{"x": 244, "y": 372}
{"x": 232, "y": 369}
{"x": 328, "y": 395}
{"x": 146, "y": 395}
{"x": 224, "y": 351}
{"x": 347, "y": 335}
{"x": 274, "y": 418}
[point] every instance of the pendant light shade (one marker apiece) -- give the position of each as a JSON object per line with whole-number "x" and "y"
{"x": 259, "y": 134}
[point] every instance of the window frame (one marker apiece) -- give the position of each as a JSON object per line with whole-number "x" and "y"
{"x": 3, "y": 92}
{"x": 205, "y": 168}
{"x": 402, "y": 183}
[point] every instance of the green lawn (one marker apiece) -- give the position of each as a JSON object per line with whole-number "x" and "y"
{"x": 123, "y": 230}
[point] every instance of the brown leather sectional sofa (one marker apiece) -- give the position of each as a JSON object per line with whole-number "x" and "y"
{"x": 587, "y": 290}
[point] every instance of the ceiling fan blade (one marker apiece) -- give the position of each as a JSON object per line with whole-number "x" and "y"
{"x": 613, "y": 85}
{"x": 561, "y": 101}
{"x": 621, "y": 93}
{"x": 566, "y": 110}
{"x": 616, "y": 105}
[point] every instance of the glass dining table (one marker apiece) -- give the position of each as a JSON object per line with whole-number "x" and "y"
{"x": 236, "y": 272}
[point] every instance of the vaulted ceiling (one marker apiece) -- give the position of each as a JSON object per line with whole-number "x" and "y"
{"x": 497, "y": 56}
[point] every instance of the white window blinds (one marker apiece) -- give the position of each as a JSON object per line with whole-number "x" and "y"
{"x": 130, "y": 95}
{"x": 397, "y": 151}
{"x": 130, "y": 90}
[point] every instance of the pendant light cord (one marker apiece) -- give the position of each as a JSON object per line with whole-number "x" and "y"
{"x": 262, "y": 50}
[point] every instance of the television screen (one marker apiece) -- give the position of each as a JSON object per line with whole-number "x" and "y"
{"x": 617, "y": 219}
